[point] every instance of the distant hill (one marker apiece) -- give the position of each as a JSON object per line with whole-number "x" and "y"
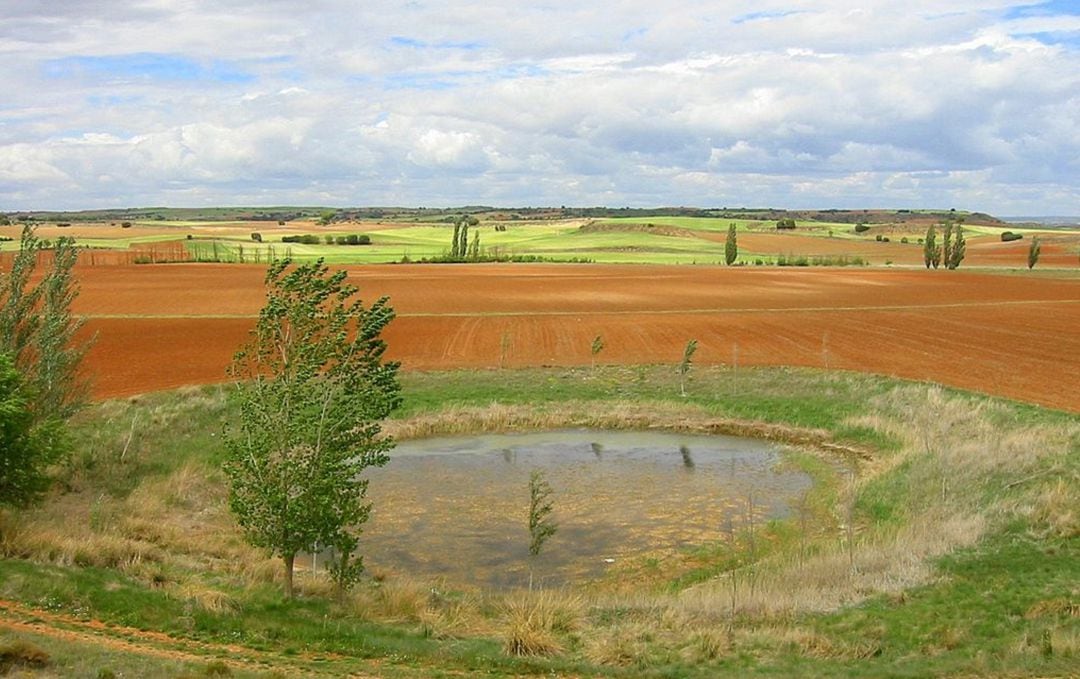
{"x": 421, "y": 214}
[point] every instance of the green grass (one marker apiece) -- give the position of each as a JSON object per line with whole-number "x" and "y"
{"x": 973, "y": 616}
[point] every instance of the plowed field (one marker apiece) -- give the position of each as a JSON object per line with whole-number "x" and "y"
{"x": 1018, "y": 336}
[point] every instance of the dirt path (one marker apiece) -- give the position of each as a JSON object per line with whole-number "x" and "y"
{"x": 20, "y": 618}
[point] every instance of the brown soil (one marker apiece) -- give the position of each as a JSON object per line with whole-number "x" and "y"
{"x": 164, "y": 326}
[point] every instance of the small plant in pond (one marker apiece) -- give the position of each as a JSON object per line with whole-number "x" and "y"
{"x": 541, "y": 525}
{"x": 684, "y": 366}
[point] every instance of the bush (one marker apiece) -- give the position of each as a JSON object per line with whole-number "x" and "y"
{"x": 878, "y": 238}
{"x": 1007, "y": 236}
{"x": 257, "y": 237}
{"x": 352, "y": 239}
{"x": 787, "y": 223}
{"x": 305, "y": 239}
{"x": 125, "y": 225}
{"x": 904, "y": 239}
{"x": 860, "y": 228}
{"x": 19, "y": 654}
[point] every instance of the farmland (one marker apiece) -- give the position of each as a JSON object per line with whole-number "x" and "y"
{"x": 933, "y": 414}
{"x": 889, "y": 240}
{"x": 164, "y": 326}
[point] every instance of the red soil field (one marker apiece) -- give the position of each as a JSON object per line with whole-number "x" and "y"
{"x": 1018, "y": 336}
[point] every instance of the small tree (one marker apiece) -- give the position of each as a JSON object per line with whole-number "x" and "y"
{"x": 731, "y": 246}
{"x": 959, "y": 249}
{"x": 946, "y": 244}
{"x": 541, "y": 525}
{"x": 1033, "y": 252}
{"x": 27, "y": 445}
{"x": 463, "y": 244}
{"x": 595, "y": 349}
{"x": 931, "y": 251}
{"x": 39, "y": 359}
{"x": 315, "y": 388}
{"x": 684, "y": 366}
{"x": 456, "y": 240}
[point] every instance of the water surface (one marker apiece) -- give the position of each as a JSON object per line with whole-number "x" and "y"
{"x": 457, "y": 508}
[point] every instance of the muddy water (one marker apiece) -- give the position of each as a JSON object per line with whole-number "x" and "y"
{"x": 457, "y": 508}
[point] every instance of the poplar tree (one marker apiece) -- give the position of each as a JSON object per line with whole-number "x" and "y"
{"x": 959, "y": 249}
{"x": 946, "y": 245}
{"x": 313, "y": 389}
{"x": 1033, "y": 252}
{"x": 39, "y": 360}
{"x": 456, "y": 241}
{"x": 931, "y": 250}
{"x": 731, "y": 246}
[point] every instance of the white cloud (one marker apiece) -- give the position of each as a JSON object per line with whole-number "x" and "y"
{"x": 633, "y": 103}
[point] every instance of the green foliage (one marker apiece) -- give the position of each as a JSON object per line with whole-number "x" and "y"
{"x": 731, "y": 246}
{"x": 1008, "y": 236}
{"x": 684, "y": 366}
{"x": 304, "y": 239}
{"x": 595, "y": 348}
{"x": 27, "y": 447}
{"x": 958, "y": 250}
{"x": 931, "y": 250}
{"x": 861, "y": 228}
{"x": 1033, "y": 252}
{"x": 786, "y": 223}
{"x": 314, "y": 392}
{"x": 946, "y": 244}
{"x": 541, "y": 525}
{"x": 41, "y": 385}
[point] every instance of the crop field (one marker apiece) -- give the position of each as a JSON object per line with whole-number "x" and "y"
{"x": 164, "y": 326}
{"x": 654, "y": 240}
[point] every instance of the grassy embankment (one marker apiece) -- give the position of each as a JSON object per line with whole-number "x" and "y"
{"x": 955, "y": 548}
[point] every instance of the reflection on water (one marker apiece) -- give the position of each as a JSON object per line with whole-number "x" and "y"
{"x": 457, "y": 508}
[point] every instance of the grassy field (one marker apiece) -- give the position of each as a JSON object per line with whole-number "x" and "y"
{"x": 419, "y": 235}
{"x": 954, "y": 548}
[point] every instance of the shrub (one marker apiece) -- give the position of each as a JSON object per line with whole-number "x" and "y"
{"x": 860, "y": 228}
{"x": 1007, "y": 236}
{"x": 904, "y": 239}
{"x": 305, "y": 239}
{"x": 352, "y": 239}
{"x": 787, "y": 223}
{"x": 364, "y": 239}
{"x": 125, "y": 225}
{"x": 17, "y": 654}
{"x": 257, "y": 237}
{"x": 878, "y": 238}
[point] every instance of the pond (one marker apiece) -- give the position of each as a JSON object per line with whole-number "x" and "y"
{"x": 456, "y": 508}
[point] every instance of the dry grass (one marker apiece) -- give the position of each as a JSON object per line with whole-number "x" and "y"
{"x": 496, "y": 418}
{"x": 535, "y": 621}
{"x": 785, "y": 585}
{"x": 205, "y": 598}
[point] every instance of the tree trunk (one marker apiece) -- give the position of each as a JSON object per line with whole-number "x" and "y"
{"x": 289, "y": 558}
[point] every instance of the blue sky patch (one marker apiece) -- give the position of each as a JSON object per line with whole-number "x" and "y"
{"x": 145, "y": 66}
{"x": 1048, "y": 8}
{"x": 762, "y": 16}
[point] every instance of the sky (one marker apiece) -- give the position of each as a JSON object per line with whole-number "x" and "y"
{"x": 966, "y": 104}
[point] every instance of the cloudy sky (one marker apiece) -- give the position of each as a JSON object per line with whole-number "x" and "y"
{"x": 973, "y": 104}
